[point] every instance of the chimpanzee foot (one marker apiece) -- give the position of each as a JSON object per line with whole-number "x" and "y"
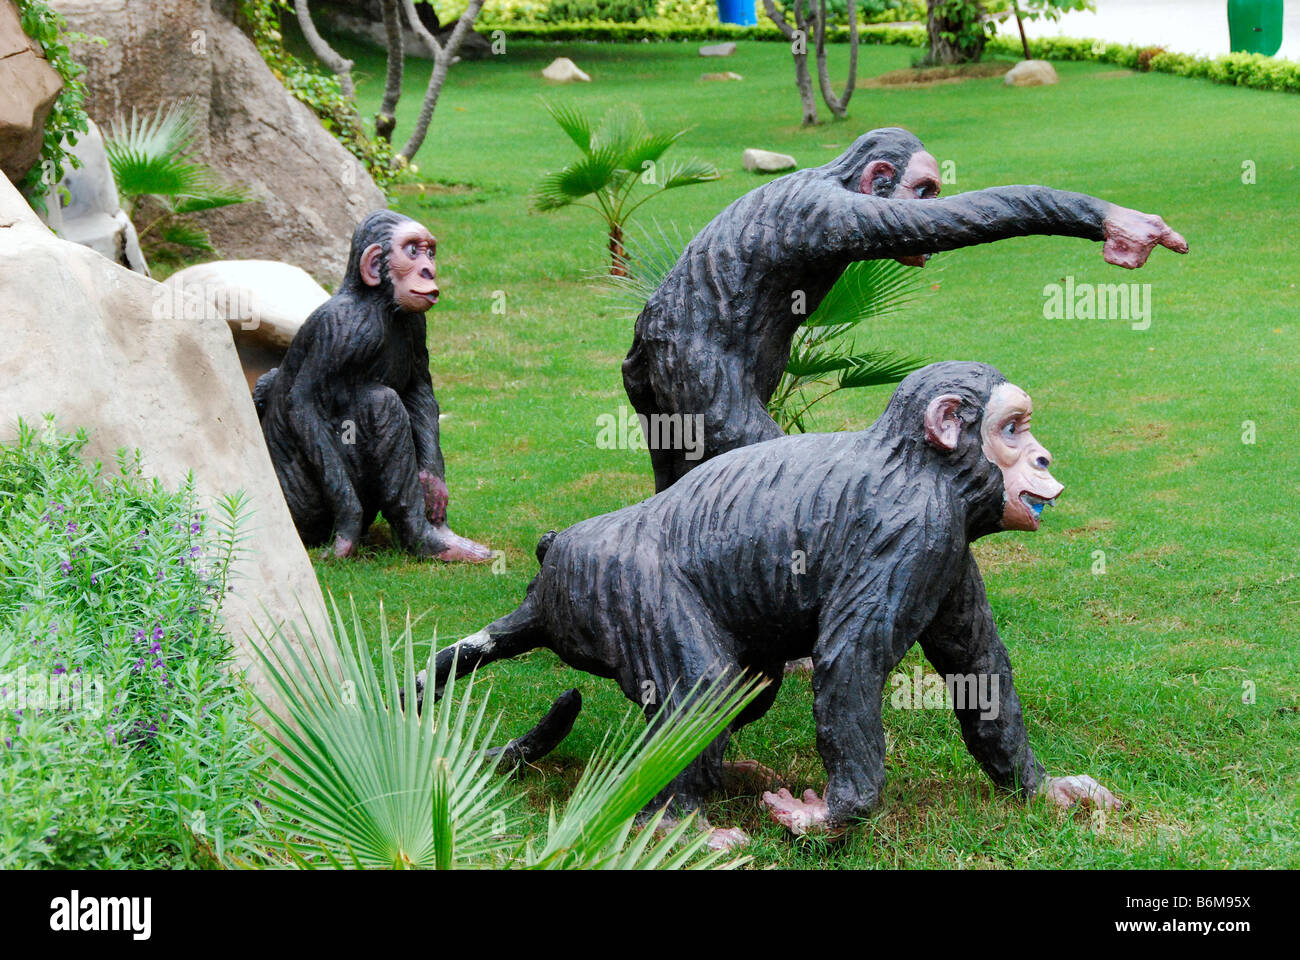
{"x": 802, "y": 665}
{"x": 1065, "y": 792}
{"x": 799, "y": 816}
{"x": 458, "y": 549}
{"x": 720, "y": 838}
{"x": 749, "y": 778}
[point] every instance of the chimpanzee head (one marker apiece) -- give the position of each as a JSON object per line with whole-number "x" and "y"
{"x": 393, "y": 256}
{"x": 893, "y": 164}
{"x": 979, "y": 425}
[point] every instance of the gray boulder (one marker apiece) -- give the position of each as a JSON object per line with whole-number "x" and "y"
{"x": 765, "y": 161}
{"x": 1031, "y": 73}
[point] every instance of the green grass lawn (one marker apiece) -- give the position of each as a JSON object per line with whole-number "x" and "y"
{"x": 1135, "y": 676}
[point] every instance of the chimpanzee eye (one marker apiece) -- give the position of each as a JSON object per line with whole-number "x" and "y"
{"x": 1010, "y": 428}
{"x": 920, "y": 193}
{"x": 412, "y": 249}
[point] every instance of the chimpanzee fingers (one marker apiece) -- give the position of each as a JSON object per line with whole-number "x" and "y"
{"x": 1173, "y": 240}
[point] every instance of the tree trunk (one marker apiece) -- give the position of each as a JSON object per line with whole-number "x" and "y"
{"x": 617, "y": 255}
{"x": 386, "y": 118}
{"x": 324, "y": 52}
{"x": 839, "y": 105}
{"x": 1024, "y": 42}
{"x": 798, "y": 37}
{"x": 964, "y": 23}
{"x": 442, "y": 58}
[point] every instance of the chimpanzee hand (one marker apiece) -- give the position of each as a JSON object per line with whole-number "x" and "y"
{"x": 1067, "y": 791}
{"x": 1131, "y": 236}
{"x": 808, "y": 815}
{"x": 344, "y": 546}
{"x": 435, "y": 497}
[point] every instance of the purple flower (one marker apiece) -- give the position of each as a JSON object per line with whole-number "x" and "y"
{"x": 71, "y": 528}
{"x": 157, "y": 647}
{"x": 66, "y": 567}
{"x": 139, "y": 636}
{"x": 59, "y": 668}
{"x": 158, "y": 632}
{"x": 196, "y": 528}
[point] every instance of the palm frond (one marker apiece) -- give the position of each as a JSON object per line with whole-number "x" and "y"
{"x": 867, "y": 289}
{"x": 574, "y": 123}
{"x": 648, "y": 149}
{"x": 628, "y": 771}
{"x": 621, "y": 128}
{"x": 649, "y": 256}
{"x": 586, "y": 175}
{"x": 682, "y": 173}
{"x": 183, "y": 233}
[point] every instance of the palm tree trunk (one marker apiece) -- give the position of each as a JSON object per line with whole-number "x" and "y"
{"x": 324, "y": 52}
{"x": 617, "y": 254}
{"x": 386, "y": 119}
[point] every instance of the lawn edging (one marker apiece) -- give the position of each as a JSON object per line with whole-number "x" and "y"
{"x": 1252, "y": 70}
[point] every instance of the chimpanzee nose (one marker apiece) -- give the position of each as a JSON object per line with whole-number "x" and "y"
{"x": 1043, "y": 460}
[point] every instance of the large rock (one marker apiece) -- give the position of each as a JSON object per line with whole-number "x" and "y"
{"x": 564, "y": 70}
{"x": 309, "y": 191}
{"x": 84, "y": 206}
{"x": 28, "y": 88}
{"x": 718, "y": 50}
{"x": 104, "y": 348}
{"x": 765, "y": 161}
{"x": 1031, "y": 73}
{"x": 263, "y": 302}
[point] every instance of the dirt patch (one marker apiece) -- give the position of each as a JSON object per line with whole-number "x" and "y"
{"x": 936, "y": 76}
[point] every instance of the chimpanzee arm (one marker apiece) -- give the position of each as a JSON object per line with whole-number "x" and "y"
{"x": 961, "y": 640}
{"x": 866, "y": 227}
{"x": 332, "y": 353}
{"x": 422, "y": 406}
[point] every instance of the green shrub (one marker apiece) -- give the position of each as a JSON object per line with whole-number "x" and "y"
{"x": 123, "y": 741}
{"x": 616, "y": 11}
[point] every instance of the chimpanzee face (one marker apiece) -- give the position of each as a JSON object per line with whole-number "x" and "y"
{"x": 920, "y": 181}
{"x": 1009, "y": 443}
{"x": 411, "y": 267}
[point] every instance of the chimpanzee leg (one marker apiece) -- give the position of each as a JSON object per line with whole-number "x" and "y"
{"x": 304, "y": 496}
{"x": 696, "y": 380}
{"x": 384, "y": 470}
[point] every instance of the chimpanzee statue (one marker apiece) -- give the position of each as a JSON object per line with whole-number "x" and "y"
{"x": 349, "y": 416}
{"x": 849, "y": 547}
{"x": 714, "y": 338}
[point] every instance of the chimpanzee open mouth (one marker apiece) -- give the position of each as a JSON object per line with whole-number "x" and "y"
{"x": 1036, "y": 504}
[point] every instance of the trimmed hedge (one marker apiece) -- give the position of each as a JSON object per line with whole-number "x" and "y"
{"x": 1237, "y": 69}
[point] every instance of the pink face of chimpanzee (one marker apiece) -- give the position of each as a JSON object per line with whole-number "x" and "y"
{"x": 410, "y": 267}
{"x": 920, "y": 181}
{"x": 1009, "y": 443}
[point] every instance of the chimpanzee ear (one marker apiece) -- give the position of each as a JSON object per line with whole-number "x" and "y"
{"x": 942, "y": 425}
{"x": 874, "y": 170}
{"x": 370, "y": 265}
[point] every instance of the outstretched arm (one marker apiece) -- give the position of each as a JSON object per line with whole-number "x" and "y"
{"x": 866, "y": 227}
{"x": 963, "y": 645}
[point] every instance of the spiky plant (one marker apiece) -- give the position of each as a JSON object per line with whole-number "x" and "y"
{"x": 618, "y": 154}
{"x": 366, "y": 781}
{"x": 824, "y": 356}
{"x": 152, "y": 156}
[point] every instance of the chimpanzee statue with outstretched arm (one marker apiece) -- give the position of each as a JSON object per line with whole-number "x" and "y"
{"x": 714, "y": 338}
{"x": 350, "y": 418}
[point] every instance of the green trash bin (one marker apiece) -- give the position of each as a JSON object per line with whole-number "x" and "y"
{"x": 1255, "y": 26}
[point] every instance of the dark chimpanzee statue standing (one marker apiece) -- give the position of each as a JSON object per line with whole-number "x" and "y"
{"x": 849, "y": 547}
{"x": 350, "y": 417}
{"x": 714, "y": 339}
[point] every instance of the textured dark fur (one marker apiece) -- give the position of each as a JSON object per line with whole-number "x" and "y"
{"x": 705, "y": 578}
{"x": 715, "y": 337}
{"x": 359, "y": 369}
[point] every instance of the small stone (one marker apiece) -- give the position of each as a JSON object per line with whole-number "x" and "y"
{"x": 729, "y": 75}
{"x": 765, "y": 161}
{"x": 1031, "y": 73}
{"x": 564, "y": 70}
{"x": 718, "y": 50}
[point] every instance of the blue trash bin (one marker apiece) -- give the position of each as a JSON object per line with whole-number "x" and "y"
{"x": 737, "y": 11}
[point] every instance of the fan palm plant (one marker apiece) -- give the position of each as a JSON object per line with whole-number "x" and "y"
{"x": 618, "y": 154}
{"x": 366, "y": 782}
{"x": 824, "y": 356}
{"x": 152, "y": 157}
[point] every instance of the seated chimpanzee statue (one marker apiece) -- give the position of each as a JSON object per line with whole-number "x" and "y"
{"x": 714, "y": 338}
{"x": 849, "y": 547}
{"x": 350, "y": 417}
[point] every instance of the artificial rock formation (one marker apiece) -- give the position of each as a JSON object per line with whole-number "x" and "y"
{"x": 309, "y": 190}
{"x": 564, "y": 70}
{"x": 28, "y": 88}
{"x": 1031, "y": 73}
{"x": 107, "y": 349}
{"x": 766, "y": 161}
